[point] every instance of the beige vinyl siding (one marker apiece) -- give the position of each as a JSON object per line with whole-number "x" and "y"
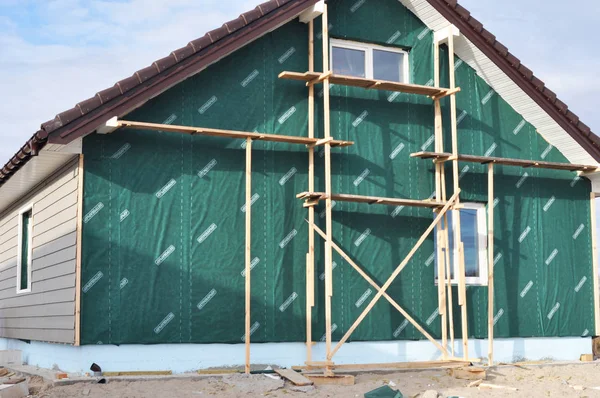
{"x": 47, "y": 313}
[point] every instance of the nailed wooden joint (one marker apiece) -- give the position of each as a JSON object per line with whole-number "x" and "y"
{"x": 319, "y": 79}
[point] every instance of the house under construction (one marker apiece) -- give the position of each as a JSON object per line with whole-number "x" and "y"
{"x": 314, "y": 183}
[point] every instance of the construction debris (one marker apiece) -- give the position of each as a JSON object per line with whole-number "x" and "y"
{"x": 470, "y": 373}
{"x": 384, "y": 392}
{"x": 485, "y": 386}
{"x": 295, "y": 378}
{"x": 341, "y": 380}
{"x": 586, "y": 357}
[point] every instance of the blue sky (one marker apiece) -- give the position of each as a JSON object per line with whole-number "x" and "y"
{"x": 55, "y": 53}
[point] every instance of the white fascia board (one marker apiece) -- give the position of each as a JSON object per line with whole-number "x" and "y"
{"x": 312, "y": 12}
{"x": 441, "y": 36}
{"x": 108, "y": 127}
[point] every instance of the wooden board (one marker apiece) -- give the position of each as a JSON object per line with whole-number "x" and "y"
{"x": 340, "y": 380}
{"x": 294, "y": 377}
{"x": 367, "y": 83}
{"x": 445, "y": 156}
{"x": 226, "y": 133}
{"x": 318, "y": 196}
{"x": 139, "y": 373}
{"x": 393, "y": 365}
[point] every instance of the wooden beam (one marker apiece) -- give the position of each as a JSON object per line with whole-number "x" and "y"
{"x": 490, "y": 264}
{"x": 310, "y": 256}
{"x": 455, "y": 178}
{"x": 340, "y": 197}
{"x": 448, "y": 268}
{"x": 248, "y": 245}
{"x": 394, "y": 365}
{"x": 362, "y": 273}
{"x": 444, "y": 157}
{"x": 595, "y": 263}
{"x": 372, "y": 84}
{"x": 394, "y": 274}
{"x": 328, "y": 220}
{"x": 78, "y": 251}
{"x": 439, "y": 145}
{"x": 288, "y": 139}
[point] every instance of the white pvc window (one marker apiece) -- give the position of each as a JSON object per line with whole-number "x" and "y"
{"x": 25, "y": 249}
{"x": 473, "y": 229}
{"x": 369, "y": 61}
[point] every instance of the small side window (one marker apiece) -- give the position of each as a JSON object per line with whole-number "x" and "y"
{"x": 25, "y": 250}
{"x": 473, "y": 230}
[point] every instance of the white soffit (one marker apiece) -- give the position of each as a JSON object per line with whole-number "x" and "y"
{"x": 504, "y": 85}
{"x": 33, "y": 173}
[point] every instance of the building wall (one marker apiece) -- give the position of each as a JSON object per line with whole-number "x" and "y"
{"x": 47, "y": 313}
{"x": 163, "y": 245}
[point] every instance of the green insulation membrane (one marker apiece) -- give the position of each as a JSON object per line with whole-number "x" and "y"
{"x": 164, "y": 213}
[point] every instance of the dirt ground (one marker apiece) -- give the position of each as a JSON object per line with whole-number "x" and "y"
{"x": 572, "y": 380}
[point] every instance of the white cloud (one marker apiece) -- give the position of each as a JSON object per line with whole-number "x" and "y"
{"x": 80, "y": 47}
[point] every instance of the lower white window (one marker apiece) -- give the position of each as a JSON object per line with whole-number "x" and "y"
{"x": 473, "y": 230}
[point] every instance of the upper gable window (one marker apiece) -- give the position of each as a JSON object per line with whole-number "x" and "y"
{"x": 369, "y": 61}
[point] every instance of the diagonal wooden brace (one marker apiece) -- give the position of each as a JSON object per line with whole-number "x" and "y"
{"x": 376, "y": 286}
{"x": 396, "y": 272}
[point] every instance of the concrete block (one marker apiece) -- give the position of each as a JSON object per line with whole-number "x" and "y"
{"x": 10, "y": 357}
{"x": 19, "y": 390}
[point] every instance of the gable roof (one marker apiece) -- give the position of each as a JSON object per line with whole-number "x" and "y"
{"x": 164, "y": 73}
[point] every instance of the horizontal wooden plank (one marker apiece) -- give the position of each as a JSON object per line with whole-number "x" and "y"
{"x": 289, "y": 139}
{"x": 9, "y": 239}
{"x": 57, "y": 244}
{"x": 68, "y": 199}
{"x": 57, "y": 219}
{"x": 318, "y": 196}
{"x": 367, "y": 83}
{"x": 29, "y": 299}
{"x": 53, "y": 271}
{"x": 43, "y": 322}
{"x": 57, "y": 232}
{"x": 10, "y": 233}
{"x": 49, "y": 335}
{"x": 52, "y": 309}
{"x": 10, "y": 217}
{"x": 58, "y": 257}
{"x": 444, "y": 157}
{"x": 9, "y": 252}
{"x": 9, "y": 283}
{"x": 9, "y": 272}
{"x": 61, "y": 282}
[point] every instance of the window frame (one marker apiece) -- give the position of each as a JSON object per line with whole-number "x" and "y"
{"x": 482, "y": 233}
{"x": 368, "y": 49}
{"x": 22, "y": 211}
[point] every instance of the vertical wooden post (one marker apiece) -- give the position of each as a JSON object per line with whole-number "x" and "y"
{"x": 460, "y": 270}
{"x": 490, "y": 249}
{"x": 448, "y": 267}
{"x": 595, "y": 264}
{"x": 310, "y": 257}
{"x": 248, "y": 245}
{"x": 438, "y": 196}
{"x": 328, "y": 221}
{"x": 78, "y": 251}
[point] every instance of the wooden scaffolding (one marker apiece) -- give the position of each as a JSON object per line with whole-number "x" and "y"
{"x": 440, "y": 205}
